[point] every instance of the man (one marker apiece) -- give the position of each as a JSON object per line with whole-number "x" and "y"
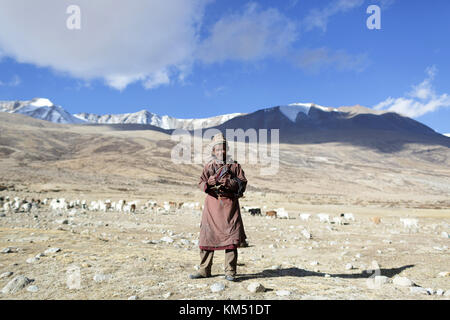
{"x": 221, "y": 227}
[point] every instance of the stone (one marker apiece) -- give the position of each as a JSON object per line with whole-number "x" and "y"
{"x": 217, "y": 287}
{"x": 62, "y": 221}
{"x": 33, "y": 289}
{"x": 439, "y": 292}
{"x": 167, "y": 239}
{"x": 133, "y": 298}
{"x": 6, "y": 274}
{"x": 348, "y": 266}
{"x": 381, "y": 280}
{"x": 314, "y": 263}
{"x": 418, "y": 290}
{"x": 32, "y": 260}
{"x": 99, "y": 277}
{"x": 255, "y": 287}
{"x": 9, "y": 250}
{"x": 16, "y": 284}
{"x": 283, "y": 293}
{"x": 167, "y": 295}
{"x": 52, "y": 250}
{"x": 445, "y": 235}
{"x": 402, "y": 282}
{"x": 447, "y": 293}
{"x": 444, "y": 274}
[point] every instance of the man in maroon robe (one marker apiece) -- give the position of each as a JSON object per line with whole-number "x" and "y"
{"x": 221, "y": 227}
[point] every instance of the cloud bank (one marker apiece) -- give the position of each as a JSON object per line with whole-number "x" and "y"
{"x": 156, "y": 42}
{"x": 420, "y": 100}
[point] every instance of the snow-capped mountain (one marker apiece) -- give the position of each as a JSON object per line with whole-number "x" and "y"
{"x": 40, "y": 108}
{"x": 298, "y": 122}
{"x": 164, "y": 122}
{"x": 447, "y": 134}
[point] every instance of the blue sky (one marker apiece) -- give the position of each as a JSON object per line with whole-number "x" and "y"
{"x": 197, "y": 58}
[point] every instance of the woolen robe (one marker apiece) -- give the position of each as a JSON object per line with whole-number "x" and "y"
{"x": 221, "y": 225}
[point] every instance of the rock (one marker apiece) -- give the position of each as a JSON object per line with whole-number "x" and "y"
{"x": 167, "y": 295}
{"x": 402, "y": 282}
{"x": 9, "y": 250}
{"x": 16, "y": 284}
{"x": 101, "y": 277}
{"x": 6, "y": 274}
{"x": 381, "y": 280}
{"x": 306, "y": 234}
{"x": 39, "y": 255}
{"x": 167, "y": 239}
{"x": 447, "y": 293}
{"x": 217, "y": 287}
{"x": 418, "y": 290}
{"x": 256, "y": 287}
{"x": 445, "y": 235}
{"x": 52, "y": 250}
{"x": 283, "y": 293}
{"x": 348, "y": 266}
{"x": 275, "y": 267}
{"x": 444, "y": 274}
{"x": 439, "y": 292}
{"x": 33, "y": 289}
{"x": 32, "y": 260}
{"x": 327, "y": 276}
{"x": 62, "y": 221}
{"x": 314, "y": 263}
{"x": 133, "y": 298}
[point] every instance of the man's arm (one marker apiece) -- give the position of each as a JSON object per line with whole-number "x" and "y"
{"x": 203, "y": 183}
{"x": 237, "y": 183}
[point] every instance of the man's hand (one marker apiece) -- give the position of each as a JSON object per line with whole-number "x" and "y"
{"x": 212, "y": 181}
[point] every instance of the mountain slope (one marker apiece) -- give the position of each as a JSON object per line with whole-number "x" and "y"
{"x": 305, "y": 124}
{"x": 40, "y": 108}
{"x": 164, "y": 122}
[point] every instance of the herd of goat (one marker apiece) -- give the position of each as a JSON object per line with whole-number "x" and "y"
{"x": 22, "y": 205}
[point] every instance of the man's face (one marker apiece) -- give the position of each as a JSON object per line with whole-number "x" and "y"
{"x": 220, "y": 151}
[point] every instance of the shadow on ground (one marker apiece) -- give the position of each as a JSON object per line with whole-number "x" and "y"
{"x": 296, "y": 272}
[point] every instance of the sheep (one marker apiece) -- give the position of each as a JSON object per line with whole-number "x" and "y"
{"x": 408, "y": 222}
{"x": 7, "y": 206}
{"x": 348, "y": 216}
{"x": 338, "y": 220}
{"x": 305, "y": 216}
{"x": 26, "y": 207}
{"x": 376, "y": 220}
{"x": 323, "y": 217}
{"x": 282, "y": 214}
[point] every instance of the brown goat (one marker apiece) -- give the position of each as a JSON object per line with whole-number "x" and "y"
{"x": 271, "y": 213}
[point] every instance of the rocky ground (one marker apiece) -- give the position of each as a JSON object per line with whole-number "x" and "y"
{"x": 80, "y": 254}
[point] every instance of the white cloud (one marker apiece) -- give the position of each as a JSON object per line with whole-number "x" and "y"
{"x": 315, "y": 60}
{"x": 120, "y": 42}
{"x": 251, "y": 35}
{"x": 420, "y": 100}
{"x": 318, "y": 18}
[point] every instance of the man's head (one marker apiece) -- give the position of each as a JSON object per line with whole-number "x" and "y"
{"x": 219, "y": 146}
{"x": 220, "y": 151}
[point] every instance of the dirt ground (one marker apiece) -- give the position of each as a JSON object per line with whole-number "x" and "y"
{"x": 125, "y": 249}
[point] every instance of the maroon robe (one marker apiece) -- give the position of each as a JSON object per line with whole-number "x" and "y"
{"x": 221, "y": 226}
